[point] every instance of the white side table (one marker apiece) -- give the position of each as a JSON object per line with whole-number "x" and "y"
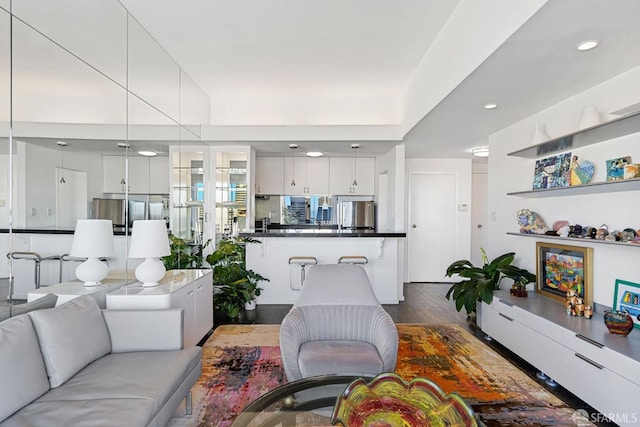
{"x": 67, "y": 291}
{"x": 191, "y": 290}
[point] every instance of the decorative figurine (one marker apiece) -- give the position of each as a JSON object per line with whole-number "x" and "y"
{"x": 602, "y": 232}
{"x": 579, "y": 307}
{"x": 618, "y": 322}
{"x": 530, "y": 222}
{"x": 588, "y": 312}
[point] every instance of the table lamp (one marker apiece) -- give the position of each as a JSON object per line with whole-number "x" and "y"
{"x": 149, "y": 240}
{"x": 92, "y": 239}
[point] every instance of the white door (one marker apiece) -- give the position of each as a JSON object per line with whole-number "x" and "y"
{"x": 71, "y": 197}
{"x": 479, "y": 215}
{"x": 431, "y": 226}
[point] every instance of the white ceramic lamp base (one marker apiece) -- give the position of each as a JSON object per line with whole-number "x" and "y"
{"x": 150, "y": 272}
{"x": 92, "y": 271}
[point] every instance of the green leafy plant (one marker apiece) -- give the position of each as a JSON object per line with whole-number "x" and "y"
{"x": 184, "y": 255}
{"x": 234, "y": 284}
{"x": 480, "y": 282}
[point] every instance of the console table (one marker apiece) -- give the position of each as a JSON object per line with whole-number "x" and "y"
{"x": 191, "y": 290}
{"x": 601, "y": 368}
{"x": 67, "y": 291}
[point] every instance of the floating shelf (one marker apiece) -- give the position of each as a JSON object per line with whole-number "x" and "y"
{"x": 574, "y": 239}
{"x": 593, "y": 188}
{"x": 616, "y": 128}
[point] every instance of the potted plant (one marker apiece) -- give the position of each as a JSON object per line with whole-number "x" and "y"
{"x": 184, "y": 255}
{"x": 480, "y": 282}
{"x": 234, "y": 284}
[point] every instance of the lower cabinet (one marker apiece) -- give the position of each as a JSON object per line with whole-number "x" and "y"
{"x": 600, "y": 368}
{"x": 191, "y": 290}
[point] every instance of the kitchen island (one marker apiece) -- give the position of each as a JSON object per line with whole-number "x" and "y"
{"x": 279, "y": 255}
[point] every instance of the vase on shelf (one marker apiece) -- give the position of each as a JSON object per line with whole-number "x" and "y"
{"x": 539, "y": 135}
{"x": 618, "y": 322}
{"x": 590, "y": 117}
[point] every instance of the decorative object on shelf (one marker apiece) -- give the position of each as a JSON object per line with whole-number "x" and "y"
{"x": 627, "y": 297}
{"x": 588, "y": 312}
{"x": 618, "y": 322}
{"x": 480, "y": 282}
{"x": 562, "y": 268}
{"x": 92, "y": 239}
{"x": 530, "y": 222}
{"x": 389, "y": 400}
{"x": 602, "y": 232}
{"x": 540, "y": 134}
{"x": 627, "y": 235}
{"x": 564, "y": 231}
{"x": 557, "y": 225}
{"x": 590, "y": 117}
{"x": 552, "y": 172}
{"x": 519, "y": 287}
{"x": 615, "y": 168}
{"x": 631, "y": 171}
{"x": 581, "y": 173}
{"x": 149, "y": 240}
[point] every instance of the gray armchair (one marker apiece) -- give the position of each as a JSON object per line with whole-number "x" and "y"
{"x": 337, "y": 327}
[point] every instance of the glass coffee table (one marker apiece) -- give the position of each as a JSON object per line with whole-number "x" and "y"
{"x": 308, "y": 402}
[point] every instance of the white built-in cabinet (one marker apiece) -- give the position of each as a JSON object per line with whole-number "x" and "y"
{"x": 310, "y": 175}
{"x": 269, "y": 175}
{"x": 350, "y": 175}
{"x": 580, "y": 354}
{"x": 146, "y": 175}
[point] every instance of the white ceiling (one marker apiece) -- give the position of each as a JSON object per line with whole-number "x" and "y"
{"x": 325, "y": 74}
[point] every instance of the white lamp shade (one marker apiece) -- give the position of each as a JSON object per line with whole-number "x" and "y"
{"x": 149, "y": 239}
{"x": 93, "y": 238}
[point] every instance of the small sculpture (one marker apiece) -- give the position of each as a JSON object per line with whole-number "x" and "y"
{"x": 530, "y": 222}
{"x": 588, "y": 312}
{"x": 564, "y": 231}
{"x": 602, "y": 232}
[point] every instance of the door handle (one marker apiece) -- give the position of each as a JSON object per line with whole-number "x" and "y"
{"x": 414, "y": 226}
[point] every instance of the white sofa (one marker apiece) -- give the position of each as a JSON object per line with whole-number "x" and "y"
{"x": 78, "y": 365}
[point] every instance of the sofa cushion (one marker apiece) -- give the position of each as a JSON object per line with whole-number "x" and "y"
{"x": 47, "y": 301}
{"x": 22, "y": 369}
{"x": 71, "y": 336}
{"x": 339, "y": 357}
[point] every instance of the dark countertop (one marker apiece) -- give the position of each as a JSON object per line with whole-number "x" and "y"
{"x": 322, "y": 232}
{"x": 51, "y": 230}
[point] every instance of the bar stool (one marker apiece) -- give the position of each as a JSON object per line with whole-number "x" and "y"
{"x": 37, "y": 259}
{"x": 353, "y": 259}
{"x": 302, "y": 261}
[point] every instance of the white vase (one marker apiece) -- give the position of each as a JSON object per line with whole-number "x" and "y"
{"x": 590, "y": 117}
{"x": 251, "y": 305}
{"x": 539, "y": 135}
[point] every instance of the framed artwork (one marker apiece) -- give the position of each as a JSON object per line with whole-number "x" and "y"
{"x": 627, "y": 297}
{"x": 552, "y": 172}
{"x": 615, "y": 168}
{"x": 561, "y": 267}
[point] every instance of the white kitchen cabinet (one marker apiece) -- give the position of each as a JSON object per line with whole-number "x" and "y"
{"x": 146, "y": 175}
{"x": 191, "y": 290}
{"x": 578, "y": 353}
{"x": 311, "y": 175}
{"x": 343, "y": 172}
{"x": 270, "y": 175}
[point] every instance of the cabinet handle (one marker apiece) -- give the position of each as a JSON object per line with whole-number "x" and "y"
{"x": 506, "y": 317}
{"x": 589, "y": 361}
{"x": 199, "y": 288}
{"x": 589, "y": 340}
{"x": 190, "y": 293}
{"x": 510, "y": 304}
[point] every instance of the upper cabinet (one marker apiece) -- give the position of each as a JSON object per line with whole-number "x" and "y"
{"x": 269, "y": 175}
{"x": 306, "y": 175}
{"x": 352, "y": 176}
{"x": 146, "y": 175}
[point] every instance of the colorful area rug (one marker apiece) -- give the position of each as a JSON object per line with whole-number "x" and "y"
{"x": 242, "y": 362}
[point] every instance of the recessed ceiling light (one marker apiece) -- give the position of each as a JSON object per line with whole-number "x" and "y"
{"x": 148, "y": 153}
{"x": 314, "y": 153}
{"x": 587, "y": 45}
{"x": 480, "y": 152}
{"x": 490, "y": 106}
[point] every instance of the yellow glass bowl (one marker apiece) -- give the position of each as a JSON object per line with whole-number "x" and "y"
{"x": 388, "y": 400}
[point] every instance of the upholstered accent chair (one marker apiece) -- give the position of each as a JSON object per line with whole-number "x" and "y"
{"x": 337, "y": 326}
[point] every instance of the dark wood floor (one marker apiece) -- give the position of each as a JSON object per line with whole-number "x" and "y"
{"x": 424, "y": 303}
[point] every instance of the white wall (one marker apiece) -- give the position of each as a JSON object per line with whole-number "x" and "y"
{"x": 462, "y": 170}
{"x": 617, "y": 210}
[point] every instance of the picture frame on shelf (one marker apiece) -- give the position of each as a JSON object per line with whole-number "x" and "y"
{"x": 626, "y": 297}
{"x": 560, "y": 268}
{"x": 552, "y": 172}
{"x": 615, "y": 168}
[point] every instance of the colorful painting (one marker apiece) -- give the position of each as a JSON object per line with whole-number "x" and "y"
{"x": 561, "y": 268}
{"x": 627, "y": 297}
{"x": 615, "y": 168}
{"x": 552, "y": 172}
